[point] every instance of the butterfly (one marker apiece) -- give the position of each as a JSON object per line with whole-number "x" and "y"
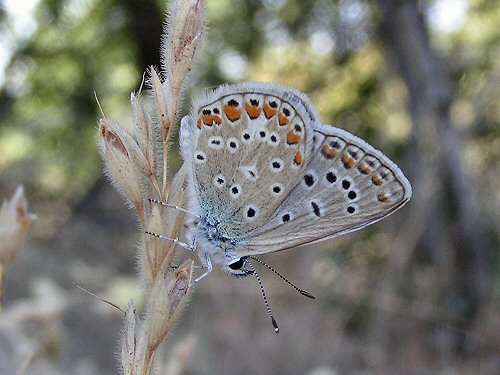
{"x": 264, "y": 175}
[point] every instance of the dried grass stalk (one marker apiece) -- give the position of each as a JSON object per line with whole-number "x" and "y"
{"x": 15, "y": 220}
{"x": 131, "y": 159}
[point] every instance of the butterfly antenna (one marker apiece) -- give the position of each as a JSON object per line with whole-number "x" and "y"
{"x": 301, "y": 291}
{"x": 96, "y": 296}
{"x": 273, "y": 321}
{"x": 161, "y": 203}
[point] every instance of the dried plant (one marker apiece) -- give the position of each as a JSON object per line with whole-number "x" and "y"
{"x": 15, "y": 220}
{"x": 136, "y": 161}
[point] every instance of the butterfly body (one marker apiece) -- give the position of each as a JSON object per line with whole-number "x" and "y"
{"x": 266, "y": 175}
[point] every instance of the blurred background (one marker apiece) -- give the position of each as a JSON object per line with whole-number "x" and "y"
{"x": 418, "y": 293}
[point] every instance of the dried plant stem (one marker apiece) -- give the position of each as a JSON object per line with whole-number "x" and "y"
{"x": 167, "y": 129}
{"x": 15, "y": 220}
{"x": 131, "y": 161}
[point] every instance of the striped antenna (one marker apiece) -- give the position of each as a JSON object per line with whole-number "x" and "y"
{"x": 273, "y": 321}
{"x": 301, "y": 291}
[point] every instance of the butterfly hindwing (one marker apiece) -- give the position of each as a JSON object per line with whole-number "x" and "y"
{"x": 346, "y": 185}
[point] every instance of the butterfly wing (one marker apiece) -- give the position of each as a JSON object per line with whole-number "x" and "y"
{"x": 346, "y": 185}
{"x": 246, "y": 145}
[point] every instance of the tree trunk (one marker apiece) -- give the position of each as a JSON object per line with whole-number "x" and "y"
{"x": 452, "y": 220}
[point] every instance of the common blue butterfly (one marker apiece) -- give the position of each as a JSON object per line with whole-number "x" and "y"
{"x": 264, "y": 174}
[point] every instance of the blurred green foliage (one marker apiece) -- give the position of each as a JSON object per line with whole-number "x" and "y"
{"x": 48, "y": 130}
{"x": 329, "y": 49}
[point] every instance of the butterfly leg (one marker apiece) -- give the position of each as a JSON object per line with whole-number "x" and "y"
{"x": 161, "y": 203}
{"x": 174, "y": 240}
{"x": 209, "y": 269}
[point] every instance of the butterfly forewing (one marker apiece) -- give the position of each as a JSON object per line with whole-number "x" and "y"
{"x": 346, "y": 185}
{"x": 251, "y": 144}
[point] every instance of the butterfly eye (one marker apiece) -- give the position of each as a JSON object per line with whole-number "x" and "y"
{"x": 237, "y": 264}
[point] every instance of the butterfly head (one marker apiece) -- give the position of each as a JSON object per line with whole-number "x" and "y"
{"x": 238, "y": 267}
{"x": 221, "y": 245}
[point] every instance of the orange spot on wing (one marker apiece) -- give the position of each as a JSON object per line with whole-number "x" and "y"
{"x": 298, "y": 158}
{"x": 269, "y": 112}
{"x": 292, "y": 138}
{"x": 348, "y": 161}
{"x": 217, "y": 119}
{"x": 363, "y": 168}
{"x": 253, "y": 111}
{"x": 233, "y": 113}
{"x": 383, "y": 197}
{"x": 329, "y": 152}
{"x": 207, "y": 119}
{"x": 377, "y": 180}
{"x": 283, "y": 120}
